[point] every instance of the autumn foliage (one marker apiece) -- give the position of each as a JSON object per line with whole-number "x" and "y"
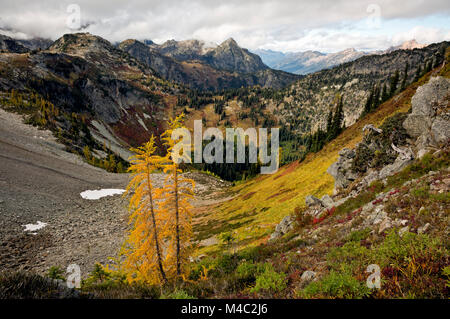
{"x": 158, "y": 243}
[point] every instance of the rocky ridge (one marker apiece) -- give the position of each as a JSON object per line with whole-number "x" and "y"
{"x": 191, "y": 64}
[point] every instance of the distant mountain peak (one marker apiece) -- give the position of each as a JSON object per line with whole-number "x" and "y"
{"x": 407, "y": 45}
{"x": 230, "y": 42}
{"x": 411, "y": 44}
{"x": 77, "y": 41}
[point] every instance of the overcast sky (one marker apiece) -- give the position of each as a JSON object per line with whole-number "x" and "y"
{"x": 289, "y": 25}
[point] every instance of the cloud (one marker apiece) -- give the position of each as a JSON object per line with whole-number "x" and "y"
{"x": 282, "y": 25}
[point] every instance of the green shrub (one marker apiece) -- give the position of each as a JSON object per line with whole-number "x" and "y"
{"x": 197, "y": 269}
{"x": 395, "y": 250}
{"x": 55, "y": 272}
{"x": 375, "y": 149}
{"x": 269, "y": 280}
{"x": 177, "y": 294}
{"x": 446, "y": 273}
{"x": 351, "y": 257}
{"x": 359, "y": 235}
{"x": 20, "y": 285}
{"x": 336, "y": 285}
{"x": 247, "y": 270}
{"x": 226, "y": 263}
{"x": 421, "y": 192}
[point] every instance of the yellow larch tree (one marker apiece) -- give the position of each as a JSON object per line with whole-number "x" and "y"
{"x": 145, "y": 255}
{"x": 180, "y": 191}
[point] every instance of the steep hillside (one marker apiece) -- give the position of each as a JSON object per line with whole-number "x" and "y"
{"x": 259, "y": 204}
{"x": 315, "y": 94}
{"x": 192, "y": 73}
{"x": 88, "y": 92}
{"x": 304, "y": 106}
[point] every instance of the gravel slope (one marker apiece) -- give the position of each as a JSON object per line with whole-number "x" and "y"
{"x": 39, "y": 181}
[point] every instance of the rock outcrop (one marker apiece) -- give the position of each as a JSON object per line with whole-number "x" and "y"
{"x": 341, "y": 170}
{"x": 429, "y": 121}
{"x": 286, "y": 225}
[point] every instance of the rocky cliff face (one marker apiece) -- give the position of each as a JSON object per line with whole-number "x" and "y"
{"x": 429, "y": 121}
{"x": 230, "y": 57}
{"x": 165, "y": 66}
{"x": 184, "y": 50}
{"x": 36, "y": 43}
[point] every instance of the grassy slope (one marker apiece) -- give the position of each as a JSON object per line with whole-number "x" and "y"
{"x": 259, "y": 204}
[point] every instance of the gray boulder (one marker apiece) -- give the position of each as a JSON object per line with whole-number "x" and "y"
{"x": 347, "y": 153}
{"x": 429, "y": 120}
{"x": 372, "y": 128}
{"x": 431, "y": 96}
{"x": 308, "y": 276}
{"x": 311, "y": 200}
{"x": 286, "y": 225}
{"x": 327, "y": 201}
{"x": 341, "y": 169}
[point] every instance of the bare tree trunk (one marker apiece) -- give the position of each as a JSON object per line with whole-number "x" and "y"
{"x": 155, "y": 233}
{"x": 177, "y": 223}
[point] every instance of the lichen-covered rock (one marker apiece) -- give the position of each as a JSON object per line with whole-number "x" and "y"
{"x": 308, "y": 276}
{"x": 286, "y": 225}
{"x": 431, "y": 97}
{"x": 440, "y": 129}
{"x": 429, "y": 120}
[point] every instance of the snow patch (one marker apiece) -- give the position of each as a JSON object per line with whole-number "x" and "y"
{"x": 34, "y": 227}
{"x": 97, "y": 194}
